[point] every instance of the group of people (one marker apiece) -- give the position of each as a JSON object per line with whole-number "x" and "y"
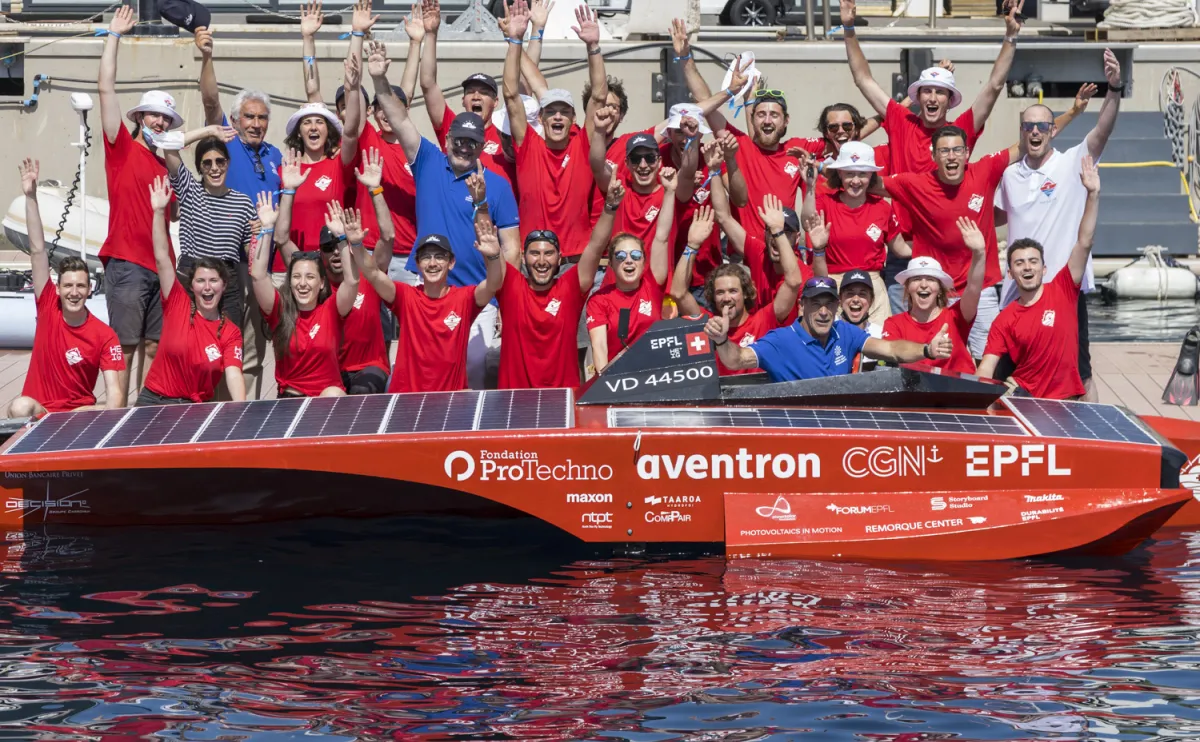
{"x": 537, "y": 232}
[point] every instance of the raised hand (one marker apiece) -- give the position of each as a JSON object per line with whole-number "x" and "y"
{"x": 487, "y": 239}
{"x": 160, "y": 193}
{"x": 290, "y": 174}
{"x": 29, "y": 169}
{"x": 847, "y": 12}
{"x": 740, "y": 78}
{"x": 362, "y": 20}
{"x": 729, "y": 144}
{"x": 702, "y": 226}
{"x": 1012, "y": 17}
{"x": 971, "y": 235}
{"x": 818, "y": 233}
{"x": 1090, "y": 175}
{"x": 717, "y": 328}
{"x": 539, "y": 12}
{"x": 1112, "y": 68}
{"x": 947, "y": 65}
{"x": 771, "y": 213}
{"x": 477, "y": 185}
{"x": 371, "y": 174}
{"x": 604, "y": 119}
{"x": 941, "y": 346}
{"x": 517, "y": 20}
{"x": 352, "y": 219}
{"x": 1084, "y": 96}
{"x": 679, "y": 38}
{"x": 335, "y": 219}
{"x": 431, "y": 15}
{"x": 615, "y": 195}
{"x": 669, "y": 179}
{"x": 587, "y": 28}
{"x": 714, "y": 156}
{"x": 377, "y": 59}
{"x": 311, "y": 18}
{"x": 353, "y": 67}
{"x": 414, "y": 24}
{"x": 267, "y": 213}
{"x": 204, "y": 41}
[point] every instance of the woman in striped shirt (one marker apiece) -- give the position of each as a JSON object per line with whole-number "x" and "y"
{"x": 215, "y": 221}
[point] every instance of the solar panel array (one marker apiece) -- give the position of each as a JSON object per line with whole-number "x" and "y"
{"x": 807, "y": 419}
{"x": 317, "y": 417}
{"x": 1079, "y": 420}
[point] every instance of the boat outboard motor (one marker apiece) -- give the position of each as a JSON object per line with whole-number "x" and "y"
{"x": 672, "y": 362}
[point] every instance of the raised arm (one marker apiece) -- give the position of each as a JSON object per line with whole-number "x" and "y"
{"x": 385, "y": 98}
{"x": 435, "y": 102}
{"x": 340, "y": 221}
{"x": 973, "y": 239}
{"x": 414, "y": 26}
{"x": 809, "y": 208}
{"x": 735, "y": 181}
{"x": 539, "y": 15}
{"x": 371, "y": 176}
{"x": 714, "y": 154}
{"x": 1098, "y": 136}
{"x": 597, "y": 155}
{"x": 487, "y": 242}
{"x": 291, "y": 178}
{"x": 355, "y": 111}
{"x": 38, "y": 260}
{"x": 173, "y": 157}
{"x": 818, "y": 235}
{"x": 711, "y": 105}
{"x": 991, "y": 90}
{"x": 1077, "y": 262}
{"x": 514, "y": 30}
{"x": 587, "y": 28}
{"x": 660, "y": 250}
{"x": 210, "y": 94}
{"x": 110, "y": 107}
{"x": 311, "y": 19}
{"x": 260, "y": 255}
{"x": 771, "y": 213}
{"x": 860, "y": 69}
{"x": 895, "y": 352}
{"x": 698, "y": 234}
{"x": 682, "y": 44}
{"x": 589, "y": 261}
{"x": 160, "y": 199}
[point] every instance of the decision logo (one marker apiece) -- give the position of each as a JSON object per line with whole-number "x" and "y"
{"x": 1189, "y": 476}
{"x": 465, "y": 457}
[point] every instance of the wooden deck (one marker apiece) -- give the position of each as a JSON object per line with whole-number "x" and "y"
{"x": 1129, "y": 374}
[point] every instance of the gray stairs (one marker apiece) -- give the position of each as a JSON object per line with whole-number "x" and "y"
{"x": 1138, "y": 206}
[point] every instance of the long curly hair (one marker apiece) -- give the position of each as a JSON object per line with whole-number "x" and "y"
{"x": 333, "y": 139}
{"x": 222, "y": 270}
{"x": 289, "y": 310}
{"x": 749, "y": 292}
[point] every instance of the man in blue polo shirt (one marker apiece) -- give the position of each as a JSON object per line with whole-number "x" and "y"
{"x": 445, "y": 206}
{"x": 818, "y": 343}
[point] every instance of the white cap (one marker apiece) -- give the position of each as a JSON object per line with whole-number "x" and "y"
{"x": 746, "y": 59}
{"x": 680, "y": 111}
{"x": 857, "y": 157}
{"x": 936, "y": 77}
{"x": 312, "y": 109}
{"x": 157, "y": 101}
{"x": 557, "y": 95}
{"x": 925, "y": 267}
{"x": 500, "y": 116}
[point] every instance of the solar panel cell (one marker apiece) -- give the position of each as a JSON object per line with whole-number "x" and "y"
{"x": 249, "y": 421}
{"x": 36, "y": 437}
{"x": 331, "y": 416}
{"x": 1080, "y": 420}
{"x": 90, "y": 434}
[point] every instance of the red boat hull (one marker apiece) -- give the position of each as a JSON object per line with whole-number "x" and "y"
{"x": 1185, "y": 435}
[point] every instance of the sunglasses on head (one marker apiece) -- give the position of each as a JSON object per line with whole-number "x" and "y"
{"x": 306, "y": 255}
{"x": 1042, "y": 126}
{"x": 620, "y": 256}
{"x": 768, "y": 94}
{"x": 541, "y": 235}
{"x": 647, "y": 157}
{"x": 846, "y": 126}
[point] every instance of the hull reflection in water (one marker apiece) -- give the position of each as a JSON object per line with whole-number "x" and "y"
{"x": 462, "y": 629}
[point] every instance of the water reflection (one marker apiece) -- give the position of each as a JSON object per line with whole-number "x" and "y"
{"x": 1140, "y": 321}
{"x": 460, "y": 630}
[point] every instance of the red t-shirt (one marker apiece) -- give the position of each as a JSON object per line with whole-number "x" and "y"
{"x": 129, "y": 171}
{"x": 638, "y": 216}
{"x": 614, "y": 157}
{"x": 858, "y": 238}
{"x": 910, "y": 142}
{"x": 492, "y": 157}
{"x": 399, "y": 191}
{"x": 194, "y": 352}
{"x": 644, "y": 304}
{"x": 539, "y": 332}
{"x": 935, "y": 207}
{"x": 758, "y": 323}
{"x": 66, "y": 361}
{"x": 311, "y": 364}
{"x": 762, "y": 270}
{"x": 328, "y": 181}
{"x": 432, "y": 352}
{"x": 1043, "y": 340}
{"x": 558, "y": 184}
{"x": 904, "y": 327}
{"x": 769, "y": 172}
{"x": 362, "y": 332}
{"x": 709, "y": 256}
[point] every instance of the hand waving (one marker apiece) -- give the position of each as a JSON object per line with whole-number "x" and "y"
{"x": 702, "y": 226}
{"x": 1112, "y": 69}
{"x": 267, "y": 213}
{"x": 487, "y": 239}
{"x": 311, "y": 18}
{"x": 377, "y": 59}
{"x": 587, "y": 28}
{"x": 414, "y": 24}
{"x": 371, "y": 174}
{"x": 539, "y": 12}
{"x": 971, "y": 235}
{"x": 29, "y": 169}
{"x": 352, "y": 219}
{"x": 290, "y": 174}
{"x": 679, "y": 38}
{"x": 123, "y": 21}
{"x": 335, "y": 219}
{"x": 160, "y": 193}
{"x": 1090, "y": 175}
{"x": 362, "y": 20}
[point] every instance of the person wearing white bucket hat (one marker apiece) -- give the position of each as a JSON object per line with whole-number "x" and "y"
{"x": 131, "y": 165}
{"x": 862, "y": 226}
{"x": 553, "y": 164}
{"x": 935, "y": 93}
{"x": 927, "y": 290}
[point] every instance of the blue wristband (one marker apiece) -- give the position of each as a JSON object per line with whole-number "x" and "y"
{"x": 347, "y": 35}
{"x": 266, "y": 231}
{"x": 106, "y": 32}
{"x": 538, "y": 36}
{"x": 518, "y": 42}
{"x": 684, "y": 58}
{"x": 286, "y": 192}
{"x": 342, "y": 238}
{"x": 310, "y": 60}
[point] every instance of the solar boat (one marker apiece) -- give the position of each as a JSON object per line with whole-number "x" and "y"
{"x": 898, "y": 463}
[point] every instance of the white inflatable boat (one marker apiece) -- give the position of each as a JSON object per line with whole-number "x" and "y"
{"x": 1152, "y": 276}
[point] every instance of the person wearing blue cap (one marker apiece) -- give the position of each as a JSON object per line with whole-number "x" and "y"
{"x": 817, "y": 344}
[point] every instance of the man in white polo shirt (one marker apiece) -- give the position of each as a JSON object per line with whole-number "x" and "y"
{"x": 1043, "y": 197}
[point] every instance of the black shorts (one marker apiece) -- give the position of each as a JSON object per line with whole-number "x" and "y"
{"x": 134, "y": 301}
{"x": 1085, "y": 350}
{"x": 369, "y": 380}
{"x": 148, "y": 398}
{"x": 232, "y": 301}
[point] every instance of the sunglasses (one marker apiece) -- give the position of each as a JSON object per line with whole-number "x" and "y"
{"x": 465, "y": 143}
{"x": 1042, "y": 126}
{"x": 768, "y": 94}
{"x": 541, "y": 235}
{"x": 328, "y": 247}
{"x": 647, "y": 157}
{"x": 258, "y": 164}
{"x": 215, "y": 163}
{"x": 846, "y": 126}
{"x": 620, "y": 256}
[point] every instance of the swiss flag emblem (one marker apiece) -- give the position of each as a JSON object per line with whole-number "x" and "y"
{"x": 697, "y": 343}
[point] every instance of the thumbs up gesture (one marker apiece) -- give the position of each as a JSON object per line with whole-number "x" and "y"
{"x": 941, "y": 346}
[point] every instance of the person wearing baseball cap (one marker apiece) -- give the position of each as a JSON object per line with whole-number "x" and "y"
{"x": 817, "y": 344}
{"x": 553, "y": 164}
{"x": 935, "y": 93}
{"x": 132, "y": 165}
{"x": 927, "y": 290}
